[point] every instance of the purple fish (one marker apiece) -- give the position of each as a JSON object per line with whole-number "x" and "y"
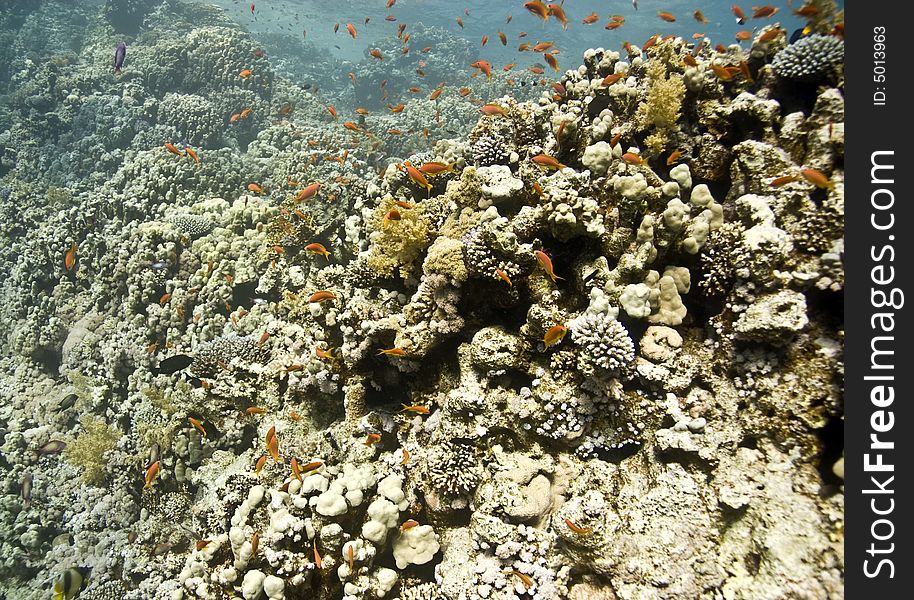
{"x": 120, "y": 53}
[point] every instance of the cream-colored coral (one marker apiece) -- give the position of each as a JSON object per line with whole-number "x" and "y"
{"x": 88, "y": 450}
{"x": 397, "y": 243}
{"x": 660, "y": 109}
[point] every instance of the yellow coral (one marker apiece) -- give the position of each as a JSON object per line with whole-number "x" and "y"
{"x": 397, "y": 243}
{"x": 660, "y": 110}
{"x": 88, "y": 450}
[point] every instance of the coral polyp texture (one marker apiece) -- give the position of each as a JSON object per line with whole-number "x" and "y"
{"x": 282, "y": 322}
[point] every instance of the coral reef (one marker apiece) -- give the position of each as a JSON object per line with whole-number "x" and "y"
{"x": 585, "y": 344}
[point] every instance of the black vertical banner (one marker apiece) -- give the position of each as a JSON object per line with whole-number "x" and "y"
{"x": 879, "y": 254}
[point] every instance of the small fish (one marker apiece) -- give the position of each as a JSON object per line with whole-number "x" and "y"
{"x": 784, "y": 180}
{"x": 255, "y": 542}
{"x": 546, "y": 263}
{"x": 674, "y": 156}
{"x": 51, "y": 447}
{"x": 69, "y": 259}
{"x": 255, "y": 410}
{"x": 739, "y": 14}
{"x": 372, "y": 439}
{"x": 668, "y": 17}
{"x": 308, "y": 192}
{"x": 483, "y": 66}
{"x": 273, "y": 447}
{"x": 633, "y": 159}
{"x": 25, "y": 490}
{"x": 549, "y": 162}
{"x": 392, "y": 352}
{"x": 743, "y": 36}
{"x": 635, "y": 4}
{"x": 418, "y": 177}
{"x": 311, "y": 466}
{"x": 436, "y": 168}
{"x": 317, "y": 248}
{"x": 120, "y": 54}
{"x": 321, "y": 296}
{"x": 173, "y": 149}
{"x": 405, "y": 456}
{"x": 245, "y": 73}
{"x": 376, "y": 53}
{"x": 68, "y": 585}
{"x": 550, "y": 59}
{"x": 164, "y": 299}
{"x": 332, "y": 111}
{"x": 613, "y": 78}
{"x": 349, "y": 554}
{"x": 256, "y": 188}
{"x": 554, "y": 335}
{"x": 460, "y": 22}
{"x": 260, "y": 463}
{"x": 524, "y": 578}
{"x": 484, "y": 41}
{"x": 197, "y": 425}
{"x": 201, "y": 544}
{"x": 762, "y": 12}
{"x": 417, "y": 408}
{"x": 591, "y": 19}
{"x": 188, "y": 151}
{"x": 575, "y": 528}
{"x": 538, "y": 9}
{"x": 699, "y": 16}
{"x": 173, "y": 364}
{"x": 317, "y": 556}
{"x": 689, "y": 60}
{"x": 504, "y": 277}
{"x": 391, "y": 215}
{"x": 502, "y": 37}
{"x": 351, "y": 29}
{"x": 408, "y": 524}
{"x": 296, "y": 472}
{"x": 817, "y": 178}
{"x": 807, "y": 10}
{"x": 770, "y": 34}
{"x": 151, "y": 474}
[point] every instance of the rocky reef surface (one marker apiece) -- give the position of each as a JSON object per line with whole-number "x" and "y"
{"x": 613, "y": 372}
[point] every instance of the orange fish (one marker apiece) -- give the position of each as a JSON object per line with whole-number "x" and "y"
{"x": 492, "y": 110}
{"x": 245, "y": 73}
{"x": 689, "y": 60}
{"x": 549, "y": 162}
{"x": 351, "y": 29}
{"x": 460, "y": 22}
{"x": 700, "y": 17}
{"x": 405, "y": 456}
{"x": 591, "y": 19}
{"x": 418, "y": 409}
{"x": 245, "y": 113}
{"x": 650, "y": 42}
{"x": 524, "y": 578}
{"x": 317, "y": 557}
{"x": 260, "y": 463}
{"x": 613, "y": 78}
{"x": 171, "y": 148}
{"x": 575, "y": 528}
{"x": 165, "y": 298}
{"x": 483, "y": 66}
{"x": 558, "y": 12}
{"x": 255, "y": 410}
{"x": 435, "y": 168}
{"x": 508, "y": 66}
{"x": 464, "y": 91}
{"x": 408, "y": 524}
{"x": 817, "y": 178}
{"x": 418, "y": 177}
{"x": 255, "y": 542}
{"x": 397, "y": 108}
{"x": 633, "y": 159}
{"x": 504, "y": 277}
{"x": 197, "y": 425}
{"x": 273, "y": 447}
{"x": 321, "y": 296}
{"x": 501, "y": 36}
{"x": 390, "y": 18}
{"x": 296, "y": 473}
{"x": 550, "y": 58}
{"x": 722, "y": 73}
{"x": 391, "y": 215}
{"x": 742, "y": 36}
{"x": 784, "y": 180}
{"x": 613, "y": 25}
{"x": 537, "y": 8}
{"x": 253, "y": 187}
{"x": 762, "y": 12}
{"x": 770, "y": 34}
{"x": 392, "y": 352}
{"x": 201, "y": 544}
{"x": 332, "y": 111}
{"x": 536, "y": 70}
{"x": 435, "y": 94}
{"x": 807, "y": 10}
{"x": 69, "y": 259}
{"x": 376, "y": 53}
{"x": 351, "y": 126}
{"x": 546, "y": 263}
{"x": 390, "y": 3}
{"x": 668, "y": 17}
{"x": 554, "y": 335}
{"x": 317, "y": 248}
{"x": 415, "y": 89}
{"x": 151, "y": 473}
{"x": 372, "y": 439}
{"x": 188, "y": 151}
{"x": 485, "y": 40}
{"x": 739, "y": 14}
{"x": 674, "y": 156}
{"x": 308, "y": 192}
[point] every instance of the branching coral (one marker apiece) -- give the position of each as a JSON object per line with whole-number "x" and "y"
{"x": 660, "y": 110}
{"x": 88, "y": 450}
